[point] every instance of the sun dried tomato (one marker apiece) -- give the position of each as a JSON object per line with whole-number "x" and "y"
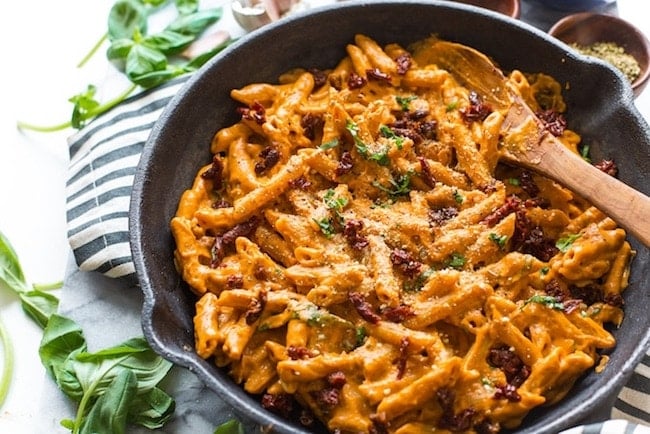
{"x": 281, "y": 403}
{"x": 363, "y": 308}
{"x": 553, "y": 121}
{"x": 352, "y": 232}
{"x": 404, "y": 62}
{"x": 255, "y": 308}
{"x": 507, "y": 391}
{"x": 426, "y": 174}
{"x": 256, "y": 113}
{"x": 301, "y": 183}
{"x": 311, "y": 123}
{"x": 398, "y": 314}
{"x": 320, "y": 77}
{"x": 227, "y": 239}
{"x": 477, "y": 109}
{"x": 607, "y": 166}
{"x": 345, "y": 164}
{"x": 378, "y": 75}
{"x": 404, "y": 261}
{"x": 355, "y": 81}
{"x": 269, "y": 158}
{"x": 215, "y": 173}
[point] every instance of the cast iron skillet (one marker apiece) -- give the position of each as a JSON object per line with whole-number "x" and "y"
{"x": 600, "y": 108}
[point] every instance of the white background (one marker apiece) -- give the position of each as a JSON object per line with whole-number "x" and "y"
{"x": 43, "y": 40}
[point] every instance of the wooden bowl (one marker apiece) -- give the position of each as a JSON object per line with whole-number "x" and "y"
{"x": 586, "y": 28}
{"x": 510, "y": 8}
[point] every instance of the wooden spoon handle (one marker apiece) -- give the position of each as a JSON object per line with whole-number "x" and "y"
{"x": 625, "y": 205}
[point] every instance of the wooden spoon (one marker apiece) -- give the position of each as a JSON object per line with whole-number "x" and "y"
{"x": 533, "y": 147}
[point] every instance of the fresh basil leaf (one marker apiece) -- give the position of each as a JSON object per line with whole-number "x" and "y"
{"x": 99, "y": 369}
{"x": 232, "y": 426}
{"x": 39, "y": 305}
{"x": 202, "y": 58}
{"x": 118, "y": 51}
{"x": 125, "y": 17}
{"x": 61, "y": 338}
{"x": 168, "y": 42}
{"x": 84, "y": 103}
{"x": 155, "y": 78}
{"x": 11, "y": 272}
{"x": 108, "y": 414}
{"x": 154, "y": 3}
{"x": 195, "y": 23}
{"x": 186, "y": 7}
{"x": 143, "y": 60}
{"x": 152, "y": 409}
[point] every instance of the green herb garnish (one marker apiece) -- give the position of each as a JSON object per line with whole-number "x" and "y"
{"x": 390, "y": 134}
{"x": 405, "y": 101}
{"x": 329, "y": 145}
{"x": 499, "y": 240}
{"x": 380, "y": 158}
{"x": 546, "y": 300}
{"x": 584, "y": 153}
{"x": 451, "y": 106}
{"x": 564, "y": 243}
{"x": 400, "y": 185}
{"x": 458, "y": 197}
{"x": 456, "y": 261}
{"x": 514, "y": 181}
{"x": 418, "y": 282}
{"x": 326, "y": 226}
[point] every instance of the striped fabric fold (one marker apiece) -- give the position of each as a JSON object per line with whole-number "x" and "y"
{"x": 104, "y": 156}
{"x": 103, "y": 159}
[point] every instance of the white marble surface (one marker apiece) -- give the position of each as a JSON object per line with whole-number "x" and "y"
{"x": 43, "y": 41}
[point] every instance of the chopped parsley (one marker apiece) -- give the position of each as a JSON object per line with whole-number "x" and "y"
{"x": 544, "y": 271}
{"x": 399, "y": 185}
{"x": 451, "y": 106}
{"x": 360, "y": 334}
{"x": 326, "y": 226}
{"x": 458, "y": 197}
{"x": 584, "y": 153}
{"x": 329, "y": 145}
{"x": 514, "y": 181}
{"x": 380, "y": 158}
{"x": 405, "y": 101}
{"x": 546, "y": 300}
{"x": 565, "y": 243}
{"x": 418, "y": 282}
{"x": 456, "y": 261}
{"x": 499, "y": 240}
{"x": 336, "y": 204}
{"x": 390, "y": 134}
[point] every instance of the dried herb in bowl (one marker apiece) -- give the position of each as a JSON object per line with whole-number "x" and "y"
{"x": 614, "y": 54}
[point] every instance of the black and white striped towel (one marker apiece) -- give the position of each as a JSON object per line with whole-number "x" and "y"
{"x": 103, "y": 159}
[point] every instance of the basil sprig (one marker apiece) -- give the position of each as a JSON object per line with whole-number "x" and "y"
{"x": 147, "y": 60}
{"x": 114, "y": 386}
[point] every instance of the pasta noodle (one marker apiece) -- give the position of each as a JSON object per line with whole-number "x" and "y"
{"x": 362, "y": 259}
